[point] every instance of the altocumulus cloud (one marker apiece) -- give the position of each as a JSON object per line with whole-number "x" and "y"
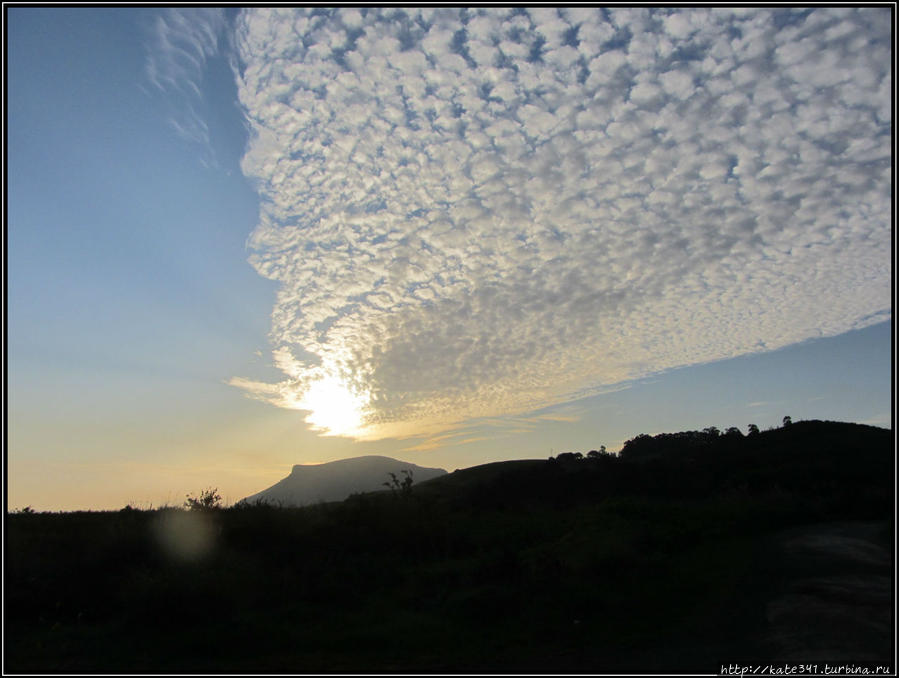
{"x": 482, "y": 212}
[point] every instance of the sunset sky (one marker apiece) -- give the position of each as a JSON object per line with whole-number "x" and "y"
{"x": 242, "y": 239}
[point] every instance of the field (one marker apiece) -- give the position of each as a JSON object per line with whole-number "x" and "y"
{"x": 677, "y": 559}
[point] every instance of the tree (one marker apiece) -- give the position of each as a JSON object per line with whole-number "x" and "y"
{"x": 753, "y": 429}
{"x": 398, "y": 486}
{"x": 596, "y": 454}
{"x": 787, "y": 421}
{"x": 640, "y": 446}
{"x": 733, "y": 432}
{"x": 209, "y": 499}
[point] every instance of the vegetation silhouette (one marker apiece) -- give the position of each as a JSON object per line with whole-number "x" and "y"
{"x": 400, "y": 487}
{"x": 660, "y": 558}
{"x": 209, "y": 499}
{"x": 337, "y": 480}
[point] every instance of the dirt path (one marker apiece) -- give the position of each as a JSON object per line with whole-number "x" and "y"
{"x": 832, "y": 599}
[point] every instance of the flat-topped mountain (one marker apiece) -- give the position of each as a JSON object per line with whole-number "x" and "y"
{"x": 337, "y": 480}
{"x": 686, "y": 548}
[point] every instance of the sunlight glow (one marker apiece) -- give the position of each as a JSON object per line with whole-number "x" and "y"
{"x": 335, "y": 409}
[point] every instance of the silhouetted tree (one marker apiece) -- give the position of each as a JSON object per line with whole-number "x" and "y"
{"x": 209, "y": 499}
{"x": 404, "y": 486}
{"x": 638, "y": 446}
{"x": 753, "y": 429}
{"x": 596, "y": 454}
{"x": 733, "y": 432}
{"x": 787, "y": 421}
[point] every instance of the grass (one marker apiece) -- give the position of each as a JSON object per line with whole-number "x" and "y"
{"x": 599, "y": 566}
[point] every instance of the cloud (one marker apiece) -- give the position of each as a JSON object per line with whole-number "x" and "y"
{"x": 479, "y": 212}
{"x": 179, "y": 43}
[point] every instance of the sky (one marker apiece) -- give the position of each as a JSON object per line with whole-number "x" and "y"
{"x": 239, "y": 239}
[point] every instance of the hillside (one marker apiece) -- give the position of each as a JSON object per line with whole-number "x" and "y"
{"x": 774, "y": 547}
{"x": 802, "y": 459}
{"x": 337, "y": 480}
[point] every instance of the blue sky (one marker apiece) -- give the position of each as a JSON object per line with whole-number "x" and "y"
{"x": 243, "y": 239}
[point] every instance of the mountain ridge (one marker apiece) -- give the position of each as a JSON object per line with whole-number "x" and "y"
{"x": 336, "y": 480}
{"x": 677, "y": 452}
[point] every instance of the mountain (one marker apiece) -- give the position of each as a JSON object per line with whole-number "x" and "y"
{"x": 337, "y": 480}
{"x": 777, "y": 545}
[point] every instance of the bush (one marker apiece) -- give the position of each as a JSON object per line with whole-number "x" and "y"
{"x": 209, "y": 499}
{"x": 400, "y": 487}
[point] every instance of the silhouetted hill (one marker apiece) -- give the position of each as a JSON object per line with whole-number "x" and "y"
{"x": 772, "y": 548}
{"x": 337, "y": 480}
{"x": 803, "y": 435}
{"x": 475, "y": 476}
{"x": 804, "y": 457}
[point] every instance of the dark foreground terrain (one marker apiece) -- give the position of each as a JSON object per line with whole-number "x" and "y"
{"x": 687, "y": 552}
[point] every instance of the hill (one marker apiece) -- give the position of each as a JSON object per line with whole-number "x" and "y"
{"x": 337, "y": 480}
{"x": 798, "y": 460}
{"x": 771, "y": 548}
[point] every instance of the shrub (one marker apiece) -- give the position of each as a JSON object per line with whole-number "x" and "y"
{"x": 404, "y": 486}
{"x": 209, "y": 499}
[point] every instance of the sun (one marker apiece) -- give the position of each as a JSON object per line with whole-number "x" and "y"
{"x": 334, "y": 408}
